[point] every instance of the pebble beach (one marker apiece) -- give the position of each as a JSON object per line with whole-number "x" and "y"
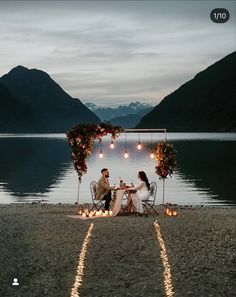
{"x": 41, "y": 244}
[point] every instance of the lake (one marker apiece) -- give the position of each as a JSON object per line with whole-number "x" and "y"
{"x": 38, "y": 167}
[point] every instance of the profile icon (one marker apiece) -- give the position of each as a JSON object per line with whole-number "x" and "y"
{"x": 15, "y": 282}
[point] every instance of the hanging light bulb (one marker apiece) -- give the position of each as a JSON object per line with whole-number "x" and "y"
{"x": 139, "y": 146}
{"x": 139, "y": 143}
{"x": 126, "y": 155}
{"x": 100, "y": 154}
{"x": 112, "y": 144}
{"x": 151, "y": 155}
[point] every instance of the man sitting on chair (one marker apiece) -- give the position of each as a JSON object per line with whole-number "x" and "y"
{"x": 104, "y": 189}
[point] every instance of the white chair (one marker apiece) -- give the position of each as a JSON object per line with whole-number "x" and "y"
{"x": 149, "y": 204}
{"x": 97, "y": 204}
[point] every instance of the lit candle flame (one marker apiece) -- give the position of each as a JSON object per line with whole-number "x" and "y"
{"x": 101, "y": 155}
{"x": 80, "y": 267}
{"x": 152, "y": 156}
{"x": 126, "y": 155}
{"x": 165, "y": 262}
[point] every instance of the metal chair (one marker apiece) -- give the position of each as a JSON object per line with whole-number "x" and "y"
{"x": 97, "y": 204}
{"x": 149, "y": 204}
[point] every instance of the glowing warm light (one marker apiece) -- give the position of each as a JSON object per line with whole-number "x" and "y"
{"x": 139, "y": 146}
{"x": 101, "y": 155}
{"x": 170, "y": 212}
{"x": 126, "y": 155}
{"x": 165, "y": 262}
{"x": 152, "y": 156}
{"x": 167, "y": 211}
{"x": 174, "y": 213}
{"x": 80, "y": 267}
{"x": 112, "y": 145}
{"x": 110, "y": 212}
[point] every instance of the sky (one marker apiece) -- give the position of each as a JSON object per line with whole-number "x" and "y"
{"x": 115, "y": 52}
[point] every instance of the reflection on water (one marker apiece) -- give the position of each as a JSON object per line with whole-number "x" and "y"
{"x": 29, "y": 166}
{"x": 39, "y": 167}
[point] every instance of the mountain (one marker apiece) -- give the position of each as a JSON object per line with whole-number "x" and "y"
{"x": 42, "y": 99}
{"x": 15, "y": 116}
{"x": 108, "y": 113}
{"x": 130, "y": 120}
{"x": 205, "y": 103}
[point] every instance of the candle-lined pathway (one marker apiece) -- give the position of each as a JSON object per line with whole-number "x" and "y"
{"x": 120, "y": 259}
{"x": 165, "y": 262}
{"x": 81, "y": 264}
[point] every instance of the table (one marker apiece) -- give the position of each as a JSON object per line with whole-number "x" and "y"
{"x": 117, "y": 204}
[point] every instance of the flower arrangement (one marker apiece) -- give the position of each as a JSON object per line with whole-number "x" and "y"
{"x": 165, "y": 156}
{"x": 81, "y": 139}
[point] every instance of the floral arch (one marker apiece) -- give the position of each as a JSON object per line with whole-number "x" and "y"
{"x": 81, "y": 139}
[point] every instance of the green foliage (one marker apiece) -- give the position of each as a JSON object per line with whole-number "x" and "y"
{"x": 165, "y": 156}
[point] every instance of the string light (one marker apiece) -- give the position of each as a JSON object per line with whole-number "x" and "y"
{"x": 139, "y": 146}
{"x": 112, "y": 144}
{"x": 152, "y": 154}
{"x": 100, "y": 153}
{"x": 126, "y": 155}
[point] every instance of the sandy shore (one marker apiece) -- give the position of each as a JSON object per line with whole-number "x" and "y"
{"x": 40, "y": 246}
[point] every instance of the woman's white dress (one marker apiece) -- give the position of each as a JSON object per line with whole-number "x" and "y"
{"x": 141, "y": 194}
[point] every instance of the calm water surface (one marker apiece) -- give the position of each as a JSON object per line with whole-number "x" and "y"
{"x": 38, "y": 167}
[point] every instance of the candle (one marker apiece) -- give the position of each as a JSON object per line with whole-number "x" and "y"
{"x": 174, "y": 213}
{"x": 110, "y": 212}
{"x": 90, "y": 215}
{"x": 104, "y": 214}
{"x": 170, "y": 213}
{"x": 83, "y": 215}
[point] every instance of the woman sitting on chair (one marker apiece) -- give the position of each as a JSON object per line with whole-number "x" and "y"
{"x": 142, "y": 192}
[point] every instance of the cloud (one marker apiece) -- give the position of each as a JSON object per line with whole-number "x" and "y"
{"x": 115, "y": 50}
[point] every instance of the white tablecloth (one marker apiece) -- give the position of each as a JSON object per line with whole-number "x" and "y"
{"x": 117, "y": 204}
